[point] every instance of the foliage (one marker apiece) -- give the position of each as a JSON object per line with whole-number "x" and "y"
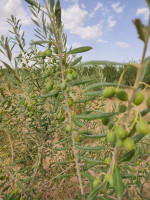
{"x": 56, "y": 131}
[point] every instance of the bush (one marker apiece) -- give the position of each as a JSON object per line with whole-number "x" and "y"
{"x": 57, "y": 136}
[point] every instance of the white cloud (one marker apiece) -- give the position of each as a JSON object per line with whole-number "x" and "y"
{"x": 98, "y": 6}
{"x": 83, "y": 6}
{"x": 122, "y": 44}
{"x": 102, "y": 41}
{"x": 117, "y": 8}
{"x": 111, "y": 22}
{"x": 15, "y": 8}
{"x": 144, "y": 12}
{"x": 74, "y": 19}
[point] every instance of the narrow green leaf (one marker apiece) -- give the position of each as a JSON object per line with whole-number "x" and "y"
{"x": 80, "y": 82}
{"x": 137, "y": 138}
{"x": 76, "y": 61}
{"x": 84, "y": 100}
{"x": 95, "y": 136}
{"x": 148, "y": 3}
{"x": 77, "y": 121}
{"x": 31, "y": 2}
{"x": 91, "y": 148}
{"x": 58, "y": 13}
{"x": 94, "y": 94}
{"x": 99, "y": 115}
{"x": 90, "y": 160}
{"x": 141, "y": 29}
{"x": 97, "y": 85}
{"x": 52, "y": 3}
{"x": 49, "y": 95}
{"x": 102, "y": 62}
{"x": 80, "y": 50}
{"x": 127, "y": 156}
{"x": 117, "y": 183}
{"x": 40, "y": 42}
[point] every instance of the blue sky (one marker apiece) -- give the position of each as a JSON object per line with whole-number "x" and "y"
{"x": 105, "y": 25}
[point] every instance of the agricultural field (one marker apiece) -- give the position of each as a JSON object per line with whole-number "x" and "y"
{"x": 71, "y": 129}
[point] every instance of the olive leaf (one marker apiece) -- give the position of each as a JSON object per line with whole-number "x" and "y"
{"x": 141, "y": 29}
{"x": 58, "y": 13}
{"x": 117, "y": 182}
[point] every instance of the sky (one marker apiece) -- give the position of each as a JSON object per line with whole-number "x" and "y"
{"x": 105, "y": 25}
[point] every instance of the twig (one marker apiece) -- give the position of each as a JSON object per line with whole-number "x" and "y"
{"x": 12, "y": 150}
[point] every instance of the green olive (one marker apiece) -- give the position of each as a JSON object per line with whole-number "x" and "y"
{"x": 120, "y": 132}
{"x": 109, "y": 178}
{"x": 59, "y": 115}
{"x": 110, "y": 125}
{"x": 48, "y": 52}
{"x": 139, "y": 98}
{"x": 119, "y": 143}
{"x": 111, "y": 137}
{"x": 78, "y": 139}
{"x": 122, "y": 108}
{"x": 63, "y": 85}
{"x": 109, "y": 92}
{"x": 68, "y": 128}
{"x": 142, "y": 127}
{"x": 47, "y": 73}
{"x": 69, "y": 76}
{"x": 128, "y": 144}
{"x": 70, "y": 102}
{"x": 148, "y": 102}
{"x": 49, "y": 85}
{"x": 96, "y": 182}
{"x": 122, "y": 95}
{"x": 105, "y": 121}
{"x": 74, "y": 74}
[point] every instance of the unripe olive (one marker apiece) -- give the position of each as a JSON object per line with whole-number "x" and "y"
{"x": 139, "y": 98}
{"x": 148, "y": 102}
{"x": 108, "y": 160}
{"x": 63, "y": 85}
{"x": 47, "y": 73}
{"x": 119, "y": 143}
{"x": 49, "y": 85}
{"x": 128, "y": 144}
{"x": 74, "y": 74}
{"x": 43, "y": 54}
{"x": 96, "y": 182}
{"x": 122, "y": 95}
{"x": 55, "y": 50}
{"x": 48, "y": 52}
{"x": 78, "y": 139}
{"x": 109, "y": 92}
{"x": 15, "y": 191}
{"x": 21, "y": 198}
{"x": 72, "y": 114}
{"x": 63, "y": 61}
{"x": 120, "y": 132}
{"x": 70, "y": 102}
{"x": 109, "y": 178}
{"x": 122, "y": 108}
{"x": 68, "y": 128}
{"x": 59, "y": 115}
{"x": 111, "y": 137}
{"x": 62, "y": 118}
{"x": 105, "y": 121}
{"x": 142, "y": 127}
{"x": 69, "y": 76}
{"x": 110, "y": 125}
{"x": 34, "y": 102}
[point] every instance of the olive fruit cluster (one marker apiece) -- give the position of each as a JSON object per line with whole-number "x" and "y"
{"x": 110, "y": 92}
{"x": 119, "y": 137}
{"x": 71, "y": 74}
{"x": 60, "y": 116}
{"x": 47, "y": 53}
